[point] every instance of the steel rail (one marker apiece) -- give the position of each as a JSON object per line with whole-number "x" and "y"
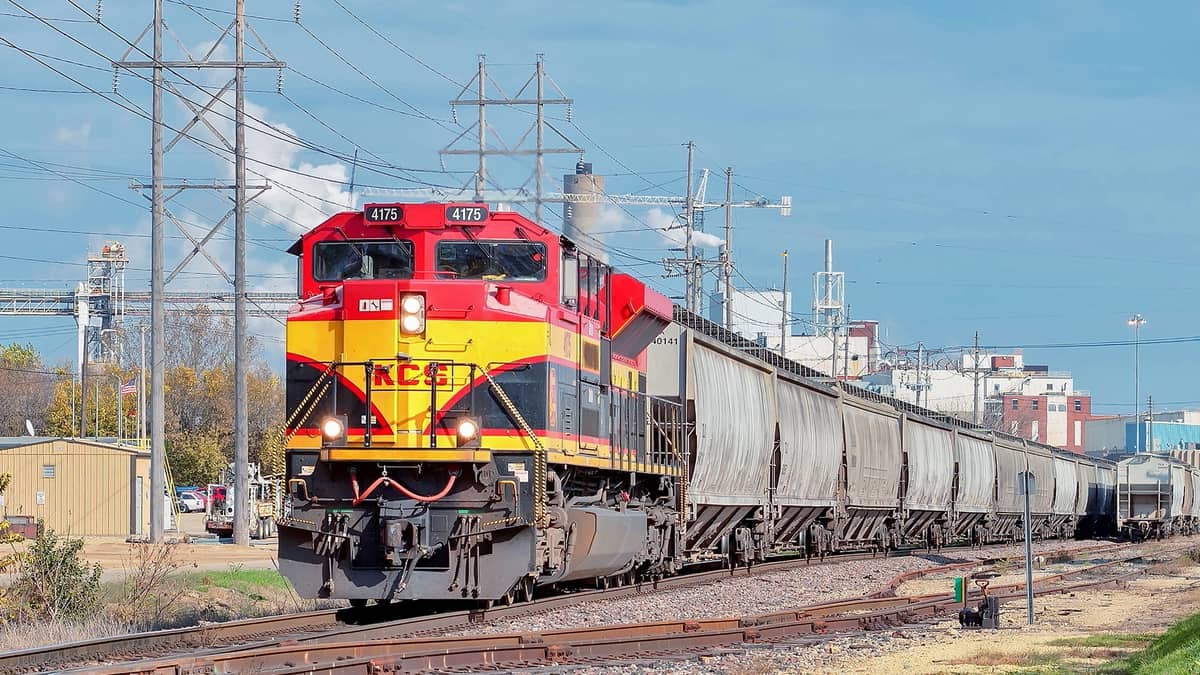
{"x": 333, "y": 624}
{"x": 575, "y": 645}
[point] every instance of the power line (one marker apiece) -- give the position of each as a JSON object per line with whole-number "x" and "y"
{"x": 266, "y": 129}
{"x": 418, "y": 112}
{"x": 397, "y": 47}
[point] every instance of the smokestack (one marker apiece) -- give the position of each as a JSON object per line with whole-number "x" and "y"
{"x": 581, "y": 219}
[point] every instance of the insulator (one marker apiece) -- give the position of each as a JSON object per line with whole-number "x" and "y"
{"x": 570, "y": 111}
{"x": 279, "y": 81}
{"x": 99, "y": 9}
{"x": 116, "y": 79}
{"x": 454, "y": 114}
{"x": 296, "y": 11}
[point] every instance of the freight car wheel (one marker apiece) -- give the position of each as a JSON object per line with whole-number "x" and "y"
{"x": 358, "y": 603}
{"x": 525, "y": 586}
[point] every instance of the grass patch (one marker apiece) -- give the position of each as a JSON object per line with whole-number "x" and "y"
{"x": 1176, "y": 651}
{"x": 246, "y": 582}
{"x": 1112, "y": 640}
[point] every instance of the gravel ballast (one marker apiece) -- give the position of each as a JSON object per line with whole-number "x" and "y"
{"x": 745, "y": 596}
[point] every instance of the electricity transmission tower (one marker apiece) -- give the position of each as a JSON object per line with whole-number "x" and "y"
{"x": 200, "y": 114}
{"x": 478, "y": 88}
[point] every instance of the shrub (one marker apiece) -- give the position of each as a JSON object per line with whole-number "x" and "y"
{"x": 52, "y": 582}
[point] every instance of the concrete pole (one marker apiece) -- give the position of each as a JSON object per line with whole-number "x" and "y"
{"x": 689, "y": 261}
{"x": 827, "y": 291}
{"x": 158, "y": 314}
{"x": 727, "y": 267}
{"x": 920, "y": 357}
{"x": 783, "y": 306}
{"x": 241, "y": 450}
{"x": 975, "y": 372}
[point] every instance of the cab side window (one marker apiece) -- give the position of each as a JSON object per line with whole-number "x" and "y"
{"x": 569, "y": 271}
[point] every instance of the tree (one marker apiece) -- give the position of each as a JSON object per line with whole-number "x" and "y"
{"x": 27, "y": 387}
{"x": 195, "y": 459}
{"x": 198, "y": 387}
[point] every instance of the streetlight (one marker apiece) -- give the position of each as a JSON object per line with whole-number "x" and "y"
{"x": 1136, "y": 321}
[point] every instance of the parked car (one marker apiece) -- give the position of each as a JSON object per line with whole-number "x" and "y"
{"x": 192, "y": 501}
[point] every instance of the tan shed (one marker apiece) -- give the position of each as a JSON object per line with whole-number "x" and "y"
{"x": 78, "y": 487}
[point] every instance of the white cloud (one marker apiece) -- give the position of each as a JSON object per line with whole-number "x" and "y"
{"x": 78, "y": 136}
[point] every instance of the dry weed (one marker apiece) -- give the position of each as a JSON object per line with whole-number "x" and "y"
{"x": 148, "y": 591}
{"x": 23, "y": 635}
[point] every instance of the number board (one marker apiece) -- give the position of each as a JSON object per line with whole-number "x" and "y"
{"x": 383, "y": 214}
{"x": 466, "y": 214}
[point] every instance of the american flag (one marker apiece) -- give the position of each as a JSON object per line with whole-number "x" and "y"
{"x": 129, "y": 387}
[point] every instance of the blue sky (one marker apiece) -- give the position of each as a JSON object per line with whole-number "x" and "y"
{"x": 1024, "y": 169}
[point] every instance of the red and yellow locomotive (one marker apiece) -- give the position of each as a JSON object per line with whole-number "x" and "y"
{"x": 467, "y": 414}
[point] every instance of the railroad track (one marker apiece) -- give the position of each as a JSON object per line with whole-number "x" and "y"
{"x": 344, "y": 624}
{"x": 590, "y": 644}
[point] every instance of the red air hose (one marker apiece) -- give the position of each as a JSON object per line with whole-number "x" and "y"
{"x": 385, "y": 481}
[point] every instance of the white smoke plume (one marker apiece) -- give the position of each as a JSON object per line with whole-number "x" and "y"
{"x": 671, "y": 230}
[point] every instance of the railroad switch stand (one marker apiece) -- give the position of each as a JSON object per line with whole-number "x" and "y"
{"x": 987, "y": 613}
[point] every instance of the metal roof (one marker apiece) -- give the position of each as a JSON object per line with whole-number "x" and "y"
{"x": 10, "y": 442}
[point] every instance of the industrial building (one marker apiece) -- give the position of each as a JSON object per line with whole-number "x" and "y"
{"x": 1161, "y": 432}
{"x": 80, "y": 487}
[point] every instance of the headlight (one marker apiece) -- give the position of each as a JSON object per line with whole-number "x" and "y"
{"x": 332, "y": 429}
{"x": 467, "y": 432}
{"x": 412, "y": 314}
{"x": 411, "y": 304}
{"x": 467, "y": 429}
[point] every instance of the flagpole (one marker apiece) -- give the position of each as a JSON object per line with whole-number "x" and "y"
{"x": 142, "y": 393}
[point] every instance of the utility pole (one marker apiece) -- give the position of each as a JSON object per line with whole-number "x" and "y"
{"x": 159, "y": 214}
{"x": 920, "y": 357}
{"x": 846, "y": 346}
{"x": 689, "y": 264}
{"x": 975, "y": 372}
{"x": 241, "y": 351}
{"x": 783, "y": 305}
{"x": 1150, "y": 423}
{"x": 727, "y": 259}
{"x": 833, "y": 333}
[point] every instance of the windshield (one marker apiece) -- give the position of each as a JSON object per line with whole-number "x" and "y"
{"x": 515, "y": 261}
{"x": 339, "y": 260}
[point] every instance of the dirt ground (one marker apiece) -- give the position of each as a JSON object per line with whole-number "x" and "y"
{"x": 1150, "y": 604}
